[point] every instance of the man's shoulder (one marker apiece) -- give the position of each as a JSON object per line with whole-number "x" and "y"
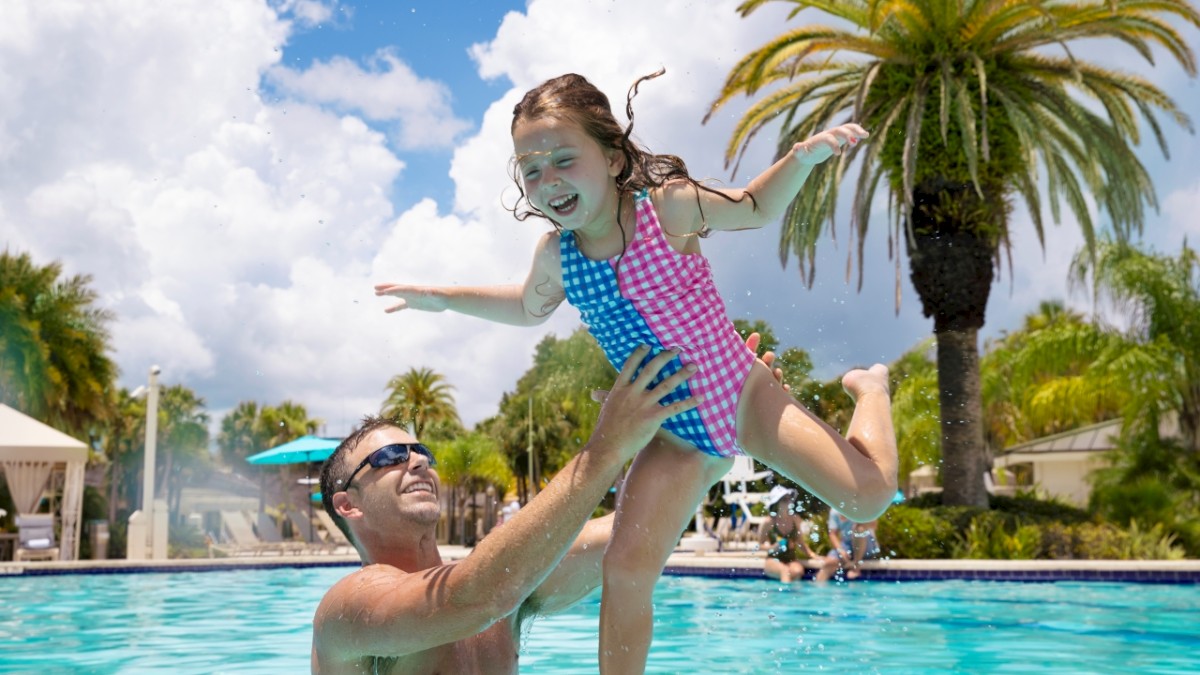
{"x": 361, "y": 584}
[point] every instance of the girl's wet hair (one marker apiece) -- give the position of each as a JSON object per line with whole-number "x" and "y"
{"x": 571, "y": 97}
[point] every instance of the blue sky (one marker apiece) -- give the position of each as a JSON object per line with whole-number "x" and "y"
{"x": 236, "y": 176}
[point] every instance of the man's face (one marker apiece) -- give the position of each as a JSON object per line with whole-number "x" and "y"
{"x": 407, "y": 490}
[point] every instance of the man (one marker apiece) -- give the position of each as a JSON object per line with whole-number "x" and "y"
{"x": 406, "y": 610}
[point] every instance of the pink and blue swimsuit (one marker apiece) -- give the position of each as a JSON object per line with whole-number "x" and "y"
{"x": 665, "y": 299}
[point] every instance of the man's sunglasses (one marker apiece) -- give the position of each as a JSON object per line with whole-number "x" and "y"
{"x": 391, "y": 455}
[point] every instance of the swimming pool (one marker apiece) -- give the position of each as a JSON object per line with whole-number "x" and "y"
{"x": 258, "y": 621}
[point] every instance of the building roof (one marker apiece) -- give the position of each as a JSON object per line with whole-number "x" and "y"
{"x": 1099, "y": 437}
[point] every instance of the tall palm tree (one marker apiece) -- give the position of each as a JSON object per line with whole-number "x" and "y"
{"x": 54, "y": 345}
{"x": 241, "y": 434}
{"x": 251, "y": 428}
{"x": 183, "y": 442}
{"x": 463, "y": 465}
{"x": 967, "y": 101}
{"x": 419, "y": 398}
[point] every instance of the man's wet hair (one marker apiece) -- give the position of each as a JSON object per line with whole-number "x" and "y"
{"x": 336, "y": 470}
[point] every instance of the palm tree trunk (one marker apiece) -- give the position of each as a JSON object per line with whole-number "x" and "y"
{"x": 951, "y": 258}
{"x": 961, "y": 399}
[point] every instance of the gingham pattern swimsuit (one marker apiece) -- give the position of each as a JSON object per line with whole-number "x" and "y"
{"x": 665, "y": 299}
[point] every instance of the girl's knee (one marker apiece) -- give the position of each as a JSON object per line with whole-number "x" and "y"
{"x": 623, "y": 563}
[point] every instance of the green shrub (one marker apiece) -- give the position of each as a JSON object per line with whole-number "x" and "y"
{"x": 907, "y": 532}
{"x": 1033, "y": 510}
{"x": 1058, "y": 541}
{"x": 187, "y": 541}
{"x": 996, "y": 535}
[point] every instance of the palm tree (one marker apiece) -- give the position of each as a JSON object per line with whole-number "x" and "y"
{"x": 1152, "y": 479}
{"x": 463, "y": 465}
{"x": 251, "y": 428}
{"x": 1160, "y": 364}
{"x": 1042, "y": 380}
{"x": 122, "y": 439}
{"x": 966, "y": 102}
{"x": 241, "y": 434}
{"x": 54, "y": 345}
{"x": 419, "y": 398}
{"x": 183, "y": 445}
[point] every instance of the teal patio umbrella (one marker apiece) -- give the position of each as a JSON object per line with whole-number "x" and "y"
{"x": 306, "y": 450}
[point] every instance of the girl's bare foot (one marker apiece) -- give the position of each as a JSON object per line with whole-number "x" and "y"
{"x": 859, "y": 382}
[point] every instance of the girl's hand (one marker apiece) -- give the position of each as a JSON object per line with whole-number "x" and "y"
{"x": 424, "y": 298}
{"x": 828, "y": 143}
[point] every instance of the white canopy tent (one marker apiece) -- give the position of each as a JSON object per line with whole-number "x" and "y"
{"x": 30, "y": 453}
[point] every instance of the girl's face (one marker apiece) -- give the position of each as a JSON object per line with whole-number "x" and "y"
{"x": 567, "y": 175}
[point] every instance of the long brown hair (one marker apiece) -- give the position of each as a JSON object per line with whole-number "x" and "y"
{"x": 573, "y": 98}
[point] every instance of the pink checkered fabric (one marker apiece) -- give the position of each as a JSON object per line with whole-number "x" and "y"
{"x": 657, "y": 296}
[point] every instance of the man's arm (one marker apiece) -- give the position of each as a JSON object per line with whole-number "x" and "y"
{"x": 580, "y": 571}
{"x": 382, "y": 611}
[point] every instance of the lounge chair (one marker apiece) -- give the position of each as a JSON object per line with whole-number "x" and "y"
{"x": 35, "y": 538}
{"x": 272, "y": 539}
{"x": 242, "y": 540}
{"x": 312, "y": 540}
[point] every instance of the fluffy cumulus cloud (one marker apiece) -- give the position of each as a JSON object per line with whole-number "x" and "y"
{"x": 386, "y": 90}
{"x": 237, "y": 233}
{"x": 139, "y": 150}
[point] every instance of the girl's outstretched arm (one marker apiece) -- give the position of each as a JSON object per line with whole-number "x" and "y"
{"x": 517, "y": 305}
{"x": 685, "y": 209}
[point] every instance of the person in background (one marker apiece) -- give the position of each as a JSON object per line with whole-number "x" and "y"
{"x": 852, "y": 543}
{"x": 788, "y": 533}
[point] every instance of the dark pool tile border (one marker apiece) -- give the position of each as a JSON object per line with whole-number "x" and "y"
{"x": 1038, "y": 575}
{"x": 8, "y": 570}
{"x": 927, "y": 574}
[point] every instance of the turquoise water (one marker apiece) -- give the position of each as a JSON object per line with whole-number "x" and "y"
{"x": 258, "y": 621}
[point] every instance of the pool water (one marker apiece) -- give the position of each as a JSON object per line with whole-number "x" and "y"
{"x": 259, "y": 621}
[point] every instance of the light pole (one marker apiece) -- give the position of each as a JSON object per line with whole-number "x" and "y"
{"x": 151, "y": 441}
{"x": 147, "y": 533}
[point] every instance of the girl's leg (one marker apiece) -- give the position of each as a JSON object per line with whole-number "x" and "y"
{"x": 662, "y": 490}
{"x": 855, "y": 474}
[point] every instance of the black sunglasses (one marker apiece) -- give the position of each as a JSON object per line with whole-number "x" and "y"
{"x": 390, "y": 455}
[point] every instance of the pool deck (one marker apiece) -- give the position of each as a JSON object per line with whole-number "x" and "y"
{"x": 729, "y": 564}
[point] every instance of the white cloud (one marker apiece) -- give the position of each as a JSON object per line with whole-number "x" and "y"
{"x": 306, "y": 12}
{"x": 238, "y": 238}
{"x": 1182, "y": 209}
{"x": 387, "y": 90}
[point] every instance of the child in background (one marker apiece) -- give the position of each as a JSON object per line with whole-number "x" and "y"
{"x": 625, "y": 251}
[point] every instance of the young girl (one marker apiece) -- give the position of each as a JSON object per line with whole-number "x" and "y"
{"x": 625, "y": 251}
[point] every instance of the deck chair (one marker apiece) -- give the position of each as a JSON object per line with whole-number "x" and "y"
{"x": 332, "y": 532}
{"x": 311, "y": 540}
{"x": 272, "y": 539}
{"x": 35, "y": 538}
{"x": 243, "y": 541}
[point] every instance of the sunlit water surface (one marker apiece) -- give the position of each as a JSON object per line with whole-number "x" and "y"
{"x": 259, "y": 621}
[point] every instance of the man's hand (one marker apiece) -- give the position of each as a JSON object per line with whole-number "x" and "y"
{"x": 632, "y": 412}
{"x": 425, "y": 298}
